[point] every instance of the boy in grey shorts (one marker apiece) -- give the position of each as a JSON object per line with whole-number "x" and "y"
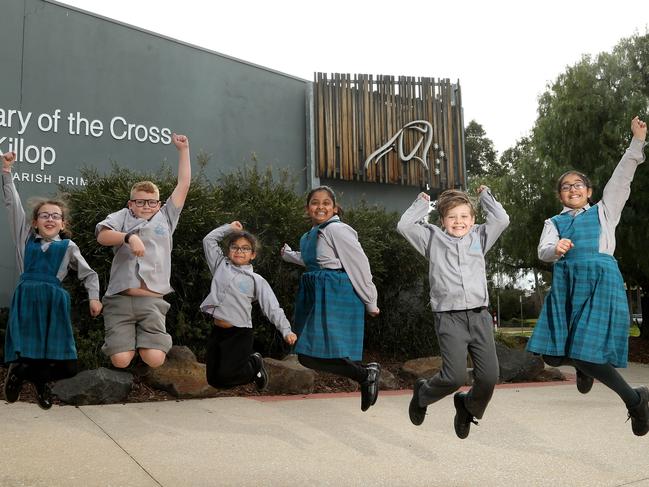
{"x": 141, "y": 237}
{"x": 458, "y": 297}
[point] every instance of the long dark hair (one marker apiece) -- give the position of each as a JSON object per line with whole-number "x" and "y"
{"x": 332, "y": 195}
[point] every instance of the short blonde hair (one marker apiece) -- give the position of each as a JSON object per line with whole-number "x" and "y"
{"x": 452, "y": 198}
{"x": 147, "y": 187}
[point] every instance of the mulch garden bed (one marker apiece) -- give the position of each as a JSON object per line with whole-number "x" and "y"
{"x": 141, "y": 392}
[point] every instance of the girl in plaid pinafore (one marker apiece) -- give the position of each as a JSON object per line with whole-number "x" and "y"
{"x": 585, "y": 319}
{"x": 334, "y": 293}
{"x": 39, "y": 342}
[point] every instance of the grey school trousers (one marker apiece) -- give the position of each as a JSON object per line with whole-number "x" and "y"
{"x": 459, "y": 333}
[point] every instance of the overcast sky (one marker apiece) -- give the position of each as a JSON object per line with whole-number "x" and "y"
{"x": 502, "y": 53}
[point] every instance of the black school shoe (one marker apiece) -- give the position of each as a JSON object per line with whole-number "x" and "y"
{"x": 416, "y": 412}
{"x": 584, "y": 382}
{"x": 43, "y": 396}
{"x": 463, "y": 418}
{"x": 261, "y": 375}
{"x": 370, "y": 387}
{"x": 639, "y": 414}
{"x": 13, "y": 383}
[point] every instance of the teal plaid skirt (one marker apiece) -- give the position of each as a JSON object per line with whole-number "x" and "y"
{"x": 39, "y": 324}
{"x": 586, "y": 314}
{"x": 329, "y": 316}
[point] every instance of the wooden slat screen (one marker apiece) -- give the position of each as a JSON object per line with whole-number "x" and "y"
{"x": 357, "y": 114}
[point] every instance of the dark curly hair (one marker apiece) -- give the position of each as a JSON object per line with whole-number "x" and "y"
{"x": 234, "y": 236}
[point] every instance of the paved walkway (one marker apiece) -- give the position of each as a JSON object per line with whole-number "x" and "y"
{"x": 532, "y": 435}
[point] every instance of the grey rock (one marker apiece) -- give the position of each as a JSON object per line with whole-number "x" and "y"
{"x": 288, "y": 376}
{"x": 518, "y": 365}
{"x": 421, "y": 368}
{"x": 98, "y": 386}
{"x": 181, "y": 375}
{"x": 388, "y": 382}
{"x": 550, "y": 374}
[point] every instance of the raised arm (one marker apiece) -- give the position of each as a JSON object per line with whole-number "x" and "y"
{"x": 18, "y": 224}
{"x": 212, "y": 243}
{"x": 184, "y": 170}
{"x": 497, "y": 219}
{"x": 617, "y": 190}
{"x": 411, "y": 224}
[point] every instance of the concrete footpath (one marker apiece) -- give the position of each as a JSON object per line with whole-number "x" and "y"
{"x": 532, "y": 435}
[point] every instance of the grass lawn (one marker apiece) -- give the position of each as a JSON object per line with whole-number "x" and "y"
{"x": 524, "y": 331}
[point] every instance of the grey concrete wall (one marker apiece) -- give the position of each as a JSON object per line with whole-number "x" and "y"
{"x": 58, "y": 62}
{"x": 391, "y": 197}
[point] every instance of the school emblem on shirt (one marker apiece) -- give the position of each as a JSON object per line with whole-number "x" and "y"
{"x": 160, "y": 230}
{"x": 245, "y": 286}
{"x": 475, "y": 246}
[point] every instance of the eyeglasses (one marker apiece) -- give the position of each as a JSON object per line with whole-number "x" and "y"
{"x": 579, "y": 185}
{"x": 46, "y": 216}
{"x": 149, "y": 203}
{"x": 243, "y": 250}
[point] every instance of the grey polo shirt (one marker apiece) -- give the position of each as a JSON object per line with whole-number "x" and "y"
{"x": 154, "y": 267}
{"x": 609, "y": 208}
{"x": 21, "y": 229}
{"x": 234, "y": 288}
{"x": 338, "y": 247}
{"x": 456, "y": 271}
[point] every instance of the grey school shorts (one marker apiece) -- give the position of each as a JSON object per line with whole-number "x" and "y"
{"x": 133, "y": 322}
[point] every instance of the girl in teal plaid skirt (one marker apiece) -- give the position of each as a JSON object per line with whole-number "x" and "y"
{"x": 39, "y": 342}
{"x": 585, "y": 317}
{"x": 335, "y": 292}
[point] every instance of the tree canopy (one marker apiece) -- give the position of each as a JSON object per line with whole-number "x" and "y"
{"x": 480, "y": 154}
{"x": 583, "y": 123}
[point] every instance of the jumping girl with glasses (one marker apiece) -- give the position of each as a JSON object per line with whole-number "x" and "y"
{"x": 141, "y": 237}
{"x": 335, "y": 292}
{"x": 235, "y": 286}
{"x": 39, "y": 343}
{"x": 585, "y": 319}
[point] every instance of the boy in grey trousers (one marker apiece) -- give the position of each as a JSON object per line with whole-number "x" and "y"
{"x": 458, "y": 298}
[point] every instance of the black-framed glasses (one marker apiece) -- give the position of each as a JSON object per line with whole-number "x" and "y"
{"x": 243, "y": 250}
{"x": 44, "y": 215}
{"x": 149, "y": 203}
{"x": 579, "y": 185}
